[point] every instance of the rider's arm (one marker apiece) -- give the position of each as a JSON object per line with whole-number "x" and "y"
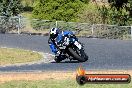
{"x": 51, "y": 41}
{"x": 52, "y": 44}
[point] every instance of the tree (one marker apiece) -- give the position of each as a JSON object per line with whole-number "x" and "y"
{"x": 27, "y": 5}
{"x": 10, "y": 7}
{"x": 119, "y": 4}
{"x": 120, "y": 12}
{"x": 90, "y": 14}
{"x": 64, "y": 10}
{"x": 85, "y": 1}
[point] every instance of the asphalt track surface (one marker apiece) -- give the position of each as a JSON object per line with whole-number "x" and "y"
{"x": 103, "y": 54}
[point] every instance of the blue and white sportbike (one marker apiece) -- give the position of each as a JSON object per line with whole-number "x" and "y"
{"x": 69, "y": 47}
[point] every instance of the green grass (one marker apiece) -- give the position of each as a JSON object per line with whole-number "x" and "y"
{"x": 12, "y": 56}
{"x": 51, "y": 83}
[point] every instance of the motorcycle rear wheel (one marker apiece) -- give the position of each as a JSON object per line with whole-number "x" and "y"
{"x": 57, "y": 59}
{"x": 81, "y": 58}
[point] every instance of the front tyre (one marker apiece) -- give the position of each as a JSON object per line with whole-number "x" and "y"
{"x": 84, "y": 55}
{"x": 82, "y": 58}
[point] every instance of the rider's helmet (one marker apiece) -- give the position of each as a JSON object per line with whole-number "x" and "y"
{"x": 54, "y": 33}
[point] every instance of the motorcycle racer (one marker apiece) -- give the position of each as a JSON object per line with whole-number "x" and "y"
{"x": 56, "y": 38}
{"x": 64, "y": 44}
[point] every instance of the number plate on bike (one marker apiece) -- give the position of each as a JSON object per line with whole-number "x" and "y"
{"x": 78, "y": 45}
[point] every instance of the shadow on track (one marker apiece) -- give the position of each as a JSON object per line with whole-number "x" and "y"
{"x": 73, "y": 61}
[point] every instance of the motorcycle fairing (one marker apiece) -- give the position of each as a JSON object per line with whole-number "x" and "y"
{"x": 61, "y": 36}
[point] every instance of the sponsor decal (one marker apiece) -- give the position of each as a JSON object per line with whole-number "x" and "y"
{"x": 83, "y": 78}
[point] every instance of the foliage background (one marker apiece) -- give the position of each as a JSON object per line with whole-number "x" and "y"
{"x": 115, "y": 12}
{"x": 10, "y": 7}
{"x": 58, "y": 9}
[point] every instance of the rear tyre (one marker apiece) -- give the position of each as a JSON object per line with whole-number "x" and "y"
{"x": 81, "y": 58}
{"x": 57, "y": 59}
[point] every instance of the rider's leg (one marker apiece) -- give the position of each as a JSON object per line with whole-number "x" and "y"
{"x": 53, "y": 48}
